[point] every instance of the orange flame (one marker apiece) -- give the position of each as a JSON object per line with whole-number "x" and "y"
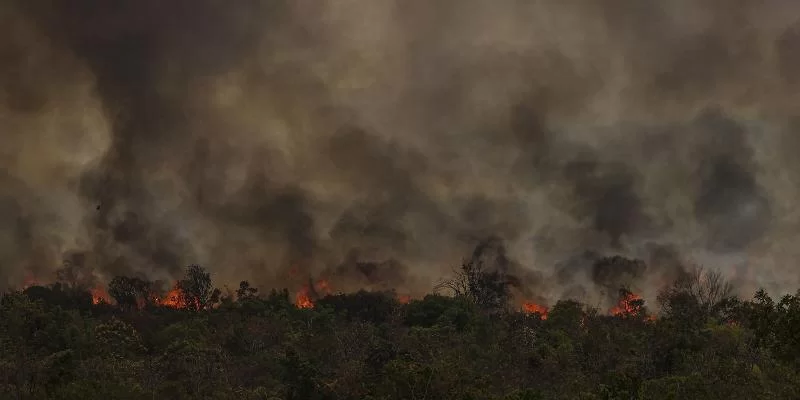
{"x": 533, "y": 308}
{"x": 303, "y": 298}
{"x": 174, "y": 298}
{"x": 626, "y": 305}
{"x": 404, "y": 299}
{"x": 100, "y": 296}
{"x": 629, "y": 305}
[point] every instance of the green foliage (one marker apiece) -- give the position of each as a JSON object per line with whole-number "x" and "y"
{"x": 374, "y": 307}
{"x": 118, "y": 339}
{"x": 246, "y": 292}
{"x": 61, "y": 295}
{"x": 130, "y": 292}
{"x": 366, "y": 345}
{"x": 697, "y": 296}
{"x": 439, "y": 310}
{"x": 197, "y": 290}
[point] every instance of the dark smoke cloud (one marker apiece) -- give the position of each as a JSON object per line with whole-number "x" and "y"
{"x": 378, "y": 141}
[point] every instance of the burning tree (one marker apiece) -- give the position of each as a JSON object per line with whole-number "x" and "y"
{"x": 195, "y": 291}
{"x": 309, "y": 293}
{"x": 629, "y": 304}
{"x": 534, "y": 308}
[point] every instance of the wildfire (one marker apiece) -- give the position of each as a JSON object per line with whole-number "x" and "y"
{"x": 303, "y": 298}
{"x": 629, "y": 304}
{"x": 404, "y": 299}
{"x": 533, "y": 308}
{"x": 100, "y": 296}
{"x": 174, "y": 298}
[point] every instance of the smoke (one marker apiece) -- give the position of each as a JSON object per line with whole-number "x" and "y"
{"x": 274, "y": 140}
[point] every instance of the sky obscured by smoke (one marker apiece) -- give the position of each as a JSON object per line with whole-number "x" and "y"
{"x": 270, "y": 140}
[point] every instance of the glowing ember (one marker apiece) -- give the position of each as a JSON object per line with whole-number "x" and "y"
{"x": 303, "y": 300}
{"x": 99, "y": 296}
{"x": 304, "y": 297}
{"x": 629, "y": 304}
{"x": 533, "y": 308}
{"x": 404, "y": 299}
{"x": 174, "y": 298}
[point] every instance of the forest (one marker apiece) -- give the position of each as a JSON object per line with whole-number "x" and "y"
{"x": 465, "y": 340}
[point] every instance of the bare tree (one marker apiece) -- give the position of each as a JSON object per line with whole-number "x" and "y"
{"x": 458, "y": 285}
{"x": 706, "y": 289}
{"x": 483, "y": 278}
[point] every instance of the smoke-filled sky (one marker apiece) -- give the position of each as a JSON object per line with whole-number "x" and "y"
{"x": 272, "y": 139}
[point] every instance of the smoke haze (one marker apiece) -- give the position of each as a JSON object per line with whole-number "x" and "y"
{"x": 380, "y": 140}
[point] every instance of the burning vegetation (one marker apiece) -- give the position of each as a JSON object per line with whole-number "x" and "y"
{"x": 175, "y": 298}
{"x": 533, "y": 308}
{"x": 307, "y": 294}
{"x": 629, "y": 304}
{"x": 382, "y": 329}
{"x": 487, "y": 279}
{"x": 99, "y": 296}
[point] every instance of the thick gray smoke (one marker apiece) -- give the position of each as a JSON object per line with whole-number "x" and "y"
{"x": 379, "y": 140}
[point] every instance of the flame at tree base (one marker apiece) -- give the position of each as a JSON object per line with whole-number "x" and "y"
{"x": 307, "y": 294}
{"x": 533, "y": 308}
{"x": 100, "y": 296}
{"x": 173, "y": 299}
{"x": 176, "y": 298}
{"x": 630, "y": 305}
{"x": 302, "y": 299}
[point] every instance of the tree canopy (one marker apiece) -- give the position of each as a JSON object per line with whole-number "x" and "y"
{"x": 704, "y": 343}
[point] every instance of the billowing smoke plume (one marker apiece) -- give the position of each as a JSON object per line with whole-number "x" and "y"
{"x": 380, "y": 140}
